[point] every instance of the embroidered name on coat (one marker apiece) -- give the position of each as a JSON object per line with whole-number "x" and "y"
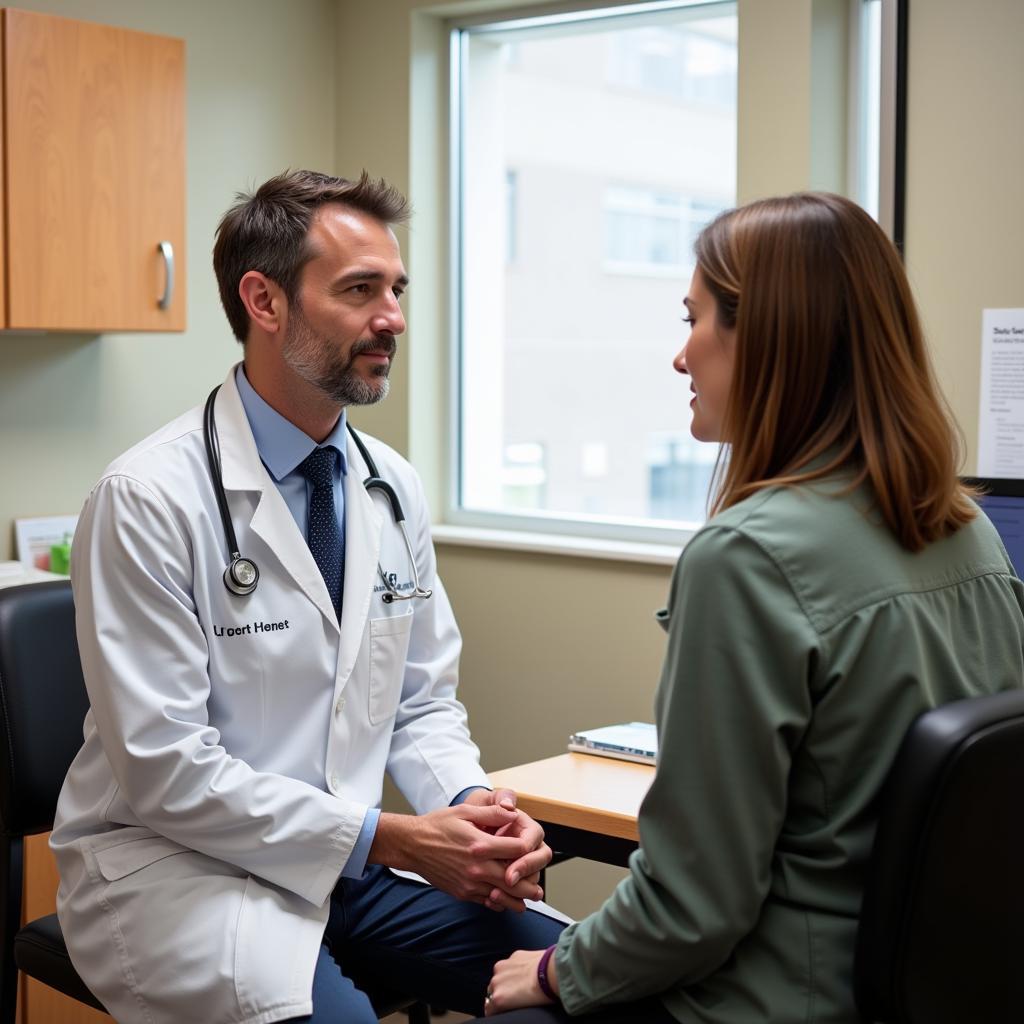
{"x": 250, "y": 628}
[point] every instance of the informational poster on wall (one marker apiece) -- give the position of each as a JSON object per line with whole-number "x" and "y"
{"x": 1001, "y": 411}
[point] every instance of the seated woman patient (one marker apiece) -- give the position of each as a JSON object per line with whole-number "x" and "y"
{"x": 845, "y": 583}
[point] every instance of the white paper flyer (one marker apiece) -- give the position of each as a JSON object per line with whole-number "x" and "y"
{"x": 1001, "y": 409}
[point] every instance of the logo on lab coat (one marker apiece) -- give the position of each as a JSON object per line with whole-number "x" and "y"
{"x": 393, "y": 583}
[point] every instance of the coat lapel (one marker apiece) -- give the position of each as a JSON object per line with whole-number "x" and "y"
{"x": 363, "y": 527}
{"x": 272, "y": 522}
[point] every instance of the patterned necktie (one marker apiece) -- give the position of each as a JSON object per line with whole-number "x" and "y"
{"x": 323, "y": 532}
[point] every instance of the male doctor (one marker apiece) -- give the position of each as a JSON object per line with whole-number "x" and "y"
{"x": 221, "y": 851}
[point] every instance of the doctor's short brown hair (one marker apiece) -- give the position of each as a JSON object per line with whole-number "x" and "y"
{"x": 266, "y": 230}
{"x": 831, "y": 370}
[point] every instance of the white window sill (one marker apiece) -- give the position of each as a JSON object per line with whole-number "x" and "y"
{"x": 556, "y": 544}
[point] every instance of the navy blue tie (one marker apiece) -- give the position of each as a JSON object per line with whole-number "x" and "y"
{"x": 323, "y": 532}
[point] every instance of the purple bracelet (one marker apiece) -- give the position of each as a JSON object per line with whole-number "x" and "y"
{"x": 542, "y": 975}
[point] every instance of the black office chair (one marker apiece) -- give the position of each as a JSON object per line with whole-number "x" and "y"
{"x": 941, "y": 935}
{"x": 42, "y": 704}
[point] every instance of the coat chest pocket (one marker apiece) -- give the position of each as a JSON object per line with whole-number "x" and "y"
{"x": 389, "y": 647}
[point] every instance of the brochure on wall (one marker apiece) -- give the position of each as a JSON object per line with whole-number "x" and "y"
{"x": 1001, "y": 409}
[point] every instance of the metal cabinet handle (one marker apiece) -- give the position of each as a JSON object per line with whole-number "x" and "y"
{"x": 167, "y": 251}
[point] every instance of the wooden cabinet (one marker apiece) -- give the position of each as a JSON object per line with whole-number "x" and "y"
{"x": 93, "y": 209}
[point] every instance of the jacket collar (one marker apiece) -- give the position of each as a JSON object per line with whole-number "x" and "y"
{"x": 241, "y": 468}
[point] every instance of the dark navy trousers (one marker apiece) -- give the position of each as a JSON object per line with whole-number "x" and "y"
{"x": 408, "y": 937}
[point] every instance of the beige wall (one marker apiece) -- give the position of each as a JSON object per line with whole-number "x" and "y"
{"x": 965, "y": 181}
{"x": 260, "y": 97}
{"x": 775, "y": 112}
{"x": 551, "y": 642}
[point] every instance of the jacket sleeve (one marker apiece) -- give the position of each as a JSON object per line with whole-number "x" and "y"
{"x": 732, "y": 705}
{"x": 145, "y": 660}
{"x": 432, "y": 757}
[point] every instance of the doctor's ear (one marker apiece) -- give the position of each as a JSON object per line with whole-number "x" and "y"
{"x": 264, "y": 301}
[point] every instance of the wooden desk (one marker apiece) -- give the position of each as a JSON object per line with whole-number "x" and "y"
{"x": 587, "y": 804}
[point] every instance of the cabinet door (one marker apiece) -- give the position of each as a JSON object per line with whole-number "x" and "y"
{"x": 95, "y": 175}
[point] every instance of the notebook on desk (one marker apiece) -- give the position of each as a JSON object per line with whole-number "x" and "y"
{"x": 630, "y": 741}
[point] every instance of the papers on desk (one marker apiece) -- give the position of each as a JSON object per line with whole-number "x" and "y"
{"x": 14, "y": 574}
{"x": 630, "y": 741}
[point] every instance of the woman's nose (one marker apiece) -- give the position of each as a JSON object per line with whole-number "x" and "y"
{"x": 679, "y": 363}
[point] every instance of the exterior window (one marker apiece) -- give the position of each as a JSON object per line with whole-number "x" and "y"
{"x": 511, "y": 217}
{"x": 648, "y": 231}
{"x": 588, "y": 151}
{"x": 867, "y": 87}
{"x": 680, "y": 471}
{"x": 677, "y": 62}
{"x": 523, "y": 476}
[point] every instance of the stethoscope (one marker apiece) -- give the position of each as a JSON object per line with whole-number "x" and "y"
{"x": 242, "y": 574}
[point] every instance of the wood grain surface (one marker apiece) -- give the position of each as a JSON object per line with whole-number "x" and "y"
{"x": 598, "y": 794}
{"x": 95, "y": 129}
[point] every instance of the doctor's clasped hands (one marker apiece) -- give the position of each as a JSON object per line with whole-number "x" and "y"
{"x": 483, "y": 850}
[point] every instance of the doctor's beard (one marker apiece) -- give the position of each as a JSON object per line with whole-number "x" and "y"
{"x": 315, "y": 358}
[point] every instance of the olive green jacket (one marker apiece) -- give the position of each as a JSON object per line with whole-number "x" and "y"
{"x": 803, "y": 641}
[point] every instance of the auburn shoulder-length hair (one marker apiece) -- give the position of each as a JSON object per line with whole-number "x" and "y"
{"x": 831, "y": 366}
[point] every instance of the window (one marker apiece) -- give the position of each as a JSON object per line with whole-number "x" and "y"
{"x": 877, "y": 40}
{"x": 651, "y": 231}
{"x": 588, "y": 152}
{"x": 867, "y": 92}
{"x": 680, "y": 471}
{"x": 523, "y": 476}
{"x": 511, "y": 217}
{"x": 692, "y": 62}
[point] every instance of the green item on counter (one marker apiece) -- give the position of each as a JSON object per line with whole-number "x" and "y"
{"x": 60, "y": 556}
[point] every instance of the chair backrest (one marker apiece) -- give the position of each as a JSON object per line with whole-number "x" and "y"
{"x": 941, "y": 935}
{"x": 42, "y": 702}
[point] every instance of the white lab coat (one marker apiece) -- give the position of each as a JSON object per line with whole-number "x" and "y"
{"x": 234, "y": 744}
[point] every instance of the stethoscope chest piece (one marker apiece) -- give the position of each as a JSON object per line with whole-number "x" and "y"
{"x": 241, "y": 576}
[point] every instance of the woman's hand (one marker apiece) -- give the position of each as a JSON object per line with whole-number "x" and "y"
{"x": 514, "y": 983}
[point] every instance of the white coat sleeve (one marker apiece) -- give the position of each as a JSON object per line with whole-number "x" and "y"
{"x": 432, "y": 757}
{"x": 145, "y": 660}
